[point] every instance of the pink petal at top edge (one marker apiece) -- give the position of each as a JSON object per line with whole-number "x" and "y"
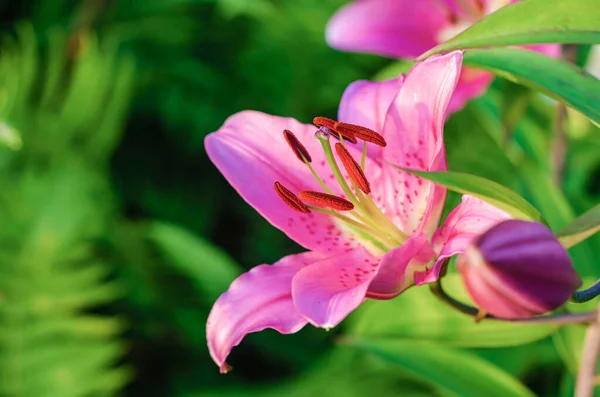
{"x": 473, "y": 83}
{"x": 394, "y": 28}
{"x": 414, "y": 133}
{"x": 252, "y": 154}
{"x": 467, "y": 10}
{"x": 258, "y": 299}
{"x": 551, "y": 50}
{"x": 331, "y": 289}
{"x": 366, "y": 103}
{"x": 397, "y": 267}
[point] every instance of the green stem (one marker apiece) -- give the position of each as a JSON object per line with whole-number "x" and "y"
{"x": 586, "y": 376}
{"x": 336, "y": 171}
{"x": 587, "y": 294}
{"x": 363, "y": 159}
{"x": 371, "y": 232}
{"x": 317, "y": 177}
{"x": 564, "y": 318}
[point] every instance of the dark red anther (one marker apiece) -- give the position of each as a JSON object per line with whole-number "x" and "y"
{"x": 290, "y": 199}
{"x": 346, "y": 135}
{"x": 359, "y": 132}
{"x": 326, "y": 200}
{"x": 330, "y": 125}
{"x": 297, "y": 147}
{"x": 353, "y": 169}
{"x": 324, "y": 122}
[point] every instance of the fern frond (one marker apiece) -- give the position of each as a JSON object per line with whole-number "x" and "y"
{"x": 66, "y": 95}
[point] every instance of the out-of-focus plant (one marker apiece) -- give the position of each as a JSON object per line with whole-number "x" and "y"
{"x": 56, "y": 206}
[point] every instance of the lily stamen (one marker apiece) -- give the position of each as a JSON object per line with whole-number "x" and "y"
{"x": 354, "y": 171}
{"x": 368, "y": 220}
{"x": 329, "y": 126}
{"x": 297, "y": 147}
{"x": 362, "y": 133}
{"x": 326, "y": 200}
{"x": 290, "y": 199}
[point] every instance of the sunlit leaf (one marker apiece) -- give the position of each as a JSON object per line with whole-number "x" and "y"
{"x": 581, "y": 228}
{"x": 531, "y": 22}
{"x": 484, "y": 189}
{"x": 10, "y": 137}
{"x": 555, "y": 78}
{"x": 456, "y": 373}
{"x": 210, "y": 268}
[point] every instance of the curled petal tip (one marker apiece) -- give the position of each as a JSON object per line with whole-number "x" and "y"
{"x": 224, "y": 368}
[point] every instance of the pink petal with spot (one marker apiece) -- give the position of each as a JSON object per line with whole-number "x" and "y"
{"x": 252, "y": 154}
{"x": 398, "y": 266}
{"x": 394, "y": 28}
{"x": 414, "y": 133}
{"x": 328, "y": 291}
{"x": 258, "y": 299}
{"x": 366, "y": 103}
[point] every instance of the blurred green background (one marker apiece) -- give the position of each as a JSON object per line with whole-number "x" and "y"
{"x": 117, "y": 234}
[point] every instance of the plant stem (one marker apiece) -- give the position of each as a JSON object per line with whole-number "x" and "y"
{"x": 559, "y": 144}
{"x": 586, "y": 377}
{"x": 564, "y": 318}
{"x": 587, "y": 294}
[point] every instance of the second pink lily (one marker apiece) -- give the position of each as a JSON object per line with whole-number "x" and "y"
{"x": 408, "y": 28}
{"x": 369, "y": 227}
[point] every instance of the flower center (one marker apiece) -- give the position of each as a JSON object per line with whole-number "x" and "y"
{"x": 356, "y": 211}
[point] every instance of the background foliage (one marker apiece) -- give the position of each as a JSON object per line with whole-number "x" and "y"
{"x": 118, "y": 234}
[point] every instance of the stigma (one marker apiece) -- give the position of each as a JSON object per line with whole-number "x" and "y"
{"x": 356, "y": 211}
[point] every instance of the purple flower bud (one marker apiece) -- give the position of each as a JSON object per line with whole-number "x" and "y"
{"x": 518, "y": 269}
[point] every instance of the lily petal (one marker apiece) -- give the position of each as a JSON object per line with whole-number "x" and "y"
{"x": 552, "y": 50}
{"x": 472, "y": 84}
{"x": 394, "y": 28}
{"x": 366, "y": 103}
{"x": 414, "y": 132}
{"x": 468, "y": 220}
{"x": 328, "y": 291}
{"x": 252, "y": 154}
{"x": 398, "y": 266}
{"x": 258, "y": 299}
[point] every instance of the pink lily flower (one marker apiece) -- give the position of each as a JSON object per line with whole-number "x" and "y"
{"x": 369, "y": 228}
{"x": 408, "y": 28}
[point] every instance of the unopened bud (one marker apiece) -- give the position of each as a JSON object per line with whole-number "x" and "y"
{"x": 518, "y": 269}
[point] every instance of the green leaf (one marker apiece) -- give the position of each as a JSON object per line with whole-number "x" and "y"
{"x": 484, "y": 189}
{"x": 557, "y": 210}
{"x": 10, "y": 137}
{"x": 341, "y": 372}
{"x": 393, "y": 70}
{"x": 420, "y": 316}
{"x": 562, "y": 81}
{"x": 581, "y": 228}
{"x": 531, "y": 22}
{"x": 210, "y": 268}
{"x": 455, "y": 372}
